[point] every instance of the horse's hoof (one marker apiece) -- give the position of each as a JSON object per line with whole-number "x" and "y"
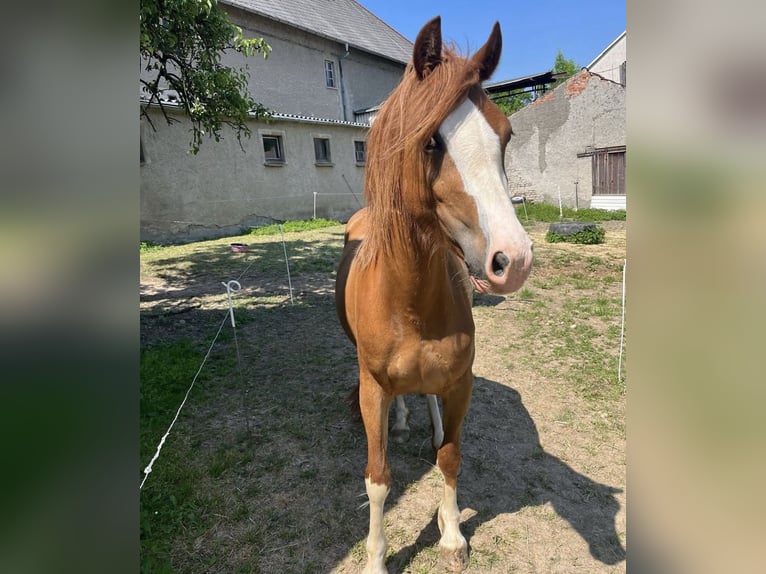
{"x": 400, "y": 436}
{"x": 375, "y": 569}
{"x": 455, "y": 560}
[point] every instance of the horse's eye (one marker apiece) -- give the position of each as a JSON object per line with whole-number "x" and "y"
{"x": 433, "y": 144}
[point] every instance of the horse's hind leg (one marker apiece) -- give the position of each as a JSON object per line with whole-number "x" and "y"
{"x": 453, "y": 546}
{"x": 436, "y": 422}
{"x": 400, "y": 432}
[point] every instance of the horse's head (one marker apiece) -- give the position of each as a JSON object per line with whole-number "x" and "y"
{"x": 465, "y": 168}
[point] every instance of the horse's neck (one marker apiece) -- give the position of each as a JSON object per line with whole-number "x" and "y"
{"x": 426, "y": 281}
{"x": 416, "y": 261}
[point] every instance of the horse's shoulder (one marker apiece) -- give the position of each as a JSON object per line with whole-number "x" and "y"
{"x": 356, "y": 227}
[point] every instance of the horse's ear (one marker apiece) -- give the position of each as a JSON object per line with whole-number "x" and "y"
{"x": 488, "y": 55}
{"x": 428, "y": 48}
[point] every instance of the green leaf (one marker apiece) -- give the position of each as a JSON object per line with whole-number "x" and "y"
{"x": 181, "y": 42}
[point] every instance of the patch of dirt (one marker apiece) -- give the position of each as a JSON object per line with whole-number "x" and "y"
{"x": 543, "y": 482}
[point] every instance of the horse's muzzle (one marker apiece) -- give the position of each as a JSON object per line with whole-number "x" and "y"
{"x": 506, "y": 273}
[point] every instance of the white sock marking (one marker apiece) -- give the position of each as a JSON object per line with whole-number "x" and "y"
{"x": 376, "y": 539}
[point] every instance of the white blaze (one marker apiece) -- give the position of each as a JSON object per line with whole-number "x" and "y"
{"x": 476, "y": 151}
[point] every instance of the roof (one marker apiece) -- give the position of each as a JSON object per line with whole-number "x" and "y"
{"x": 313, "y": 120}
{"x": 605, "y": 50}
{"x": 344, "y": 21}
{"x": 529, "y": 81}
{"x": 169, "y": 100}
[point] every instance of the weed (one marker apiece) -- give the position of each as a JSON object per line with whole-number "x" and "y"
{"x": 150, "y": 246}
{"x": 587, "y": 236}
{"x": 549, "y": 282}
{"x": 565, "y": 259}
{"x": 526, "y": 293}
{"x": 593, "y": 214}
{"x": 359, "y": 551}
{"x": 294, "y": 226}
{"x": 484, "y": 557}
{"x": 593, "y": 263}
{"x": 580, "y": 280}
{"x": 549, "y": 213}
{"x": 566, "y": 417}
{"x": 604, "y": 307}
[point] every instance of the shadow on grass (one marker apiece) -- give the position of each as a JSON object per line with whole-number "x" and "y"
{"x": 200, "y": 273}
{"x": 265, "y": 467}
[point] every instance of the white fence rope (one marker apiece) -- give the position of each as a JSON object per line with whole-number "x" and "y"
{"x": 622, "y": 329}
{"x": 232, "y": 286}
{"x": 148, "y": 468}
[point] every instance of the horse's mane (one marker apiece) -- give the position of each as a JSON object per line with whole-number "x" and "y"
{"x": 400, "y": 205}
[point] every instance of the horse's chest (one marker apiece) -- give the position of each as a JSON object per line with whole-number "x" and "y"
{"x": 430, "y": 365}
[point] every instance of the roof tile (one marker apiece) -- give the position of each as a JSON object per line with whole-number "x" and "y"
{"x": 345, "y": 21}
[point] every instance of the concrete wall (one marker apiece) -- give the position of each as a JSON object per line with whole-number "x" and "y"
{"x": 222, "y": 189}
{"x": 292, "y": 79}
{"x": 585, "y": 112}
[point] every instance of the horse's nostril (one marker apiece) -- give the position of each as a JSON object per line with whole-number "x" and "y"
{"x": 499, "y": 262}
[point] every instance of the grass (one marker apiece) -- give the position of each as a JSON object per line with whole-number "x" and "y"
{"x": 240, "y": 486}
{"x": 238, "y": 434}
{"x": 574, "y": 338}
{"x": 149, "y": 247}
{"x": 549, "y": 213}
{"x": 294, "y": 226}
{"x": 169, "y": 497}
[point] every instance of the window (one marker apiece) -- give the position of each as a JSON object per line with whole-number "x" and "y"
{"x": 329, "y": 73}
{"x": 322, "y": 150}
{"x": 624, "y": 73}
{"x": 272, "y": 149}
{"x": 360, "y": 152}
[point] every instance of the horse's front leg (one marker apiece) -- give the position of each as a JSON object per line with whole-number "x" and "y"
{"x": 374, "y": 404}
{"x": 453, "y": 546}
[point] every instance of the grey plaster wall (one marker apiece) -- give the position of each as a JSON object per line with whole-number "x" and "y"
{"x": 585, "y": 112}
{"x": 223, "y": 190}
{"x": 292, "y": 79}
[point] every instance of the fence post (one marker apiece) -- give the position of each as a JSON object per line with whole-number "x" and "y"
{"x": 315, "y": 205}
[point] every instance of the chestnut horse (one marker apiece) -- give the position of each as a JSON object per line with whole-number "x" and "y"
{"x": 438, "y": 224}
